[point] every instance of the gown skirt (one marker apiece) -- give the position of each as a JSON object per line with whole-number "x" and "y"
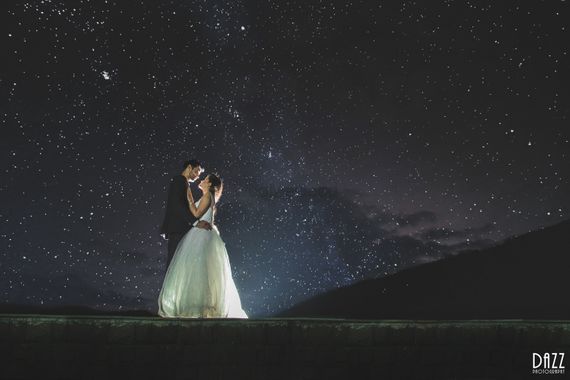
{"x": 198, "y": 282}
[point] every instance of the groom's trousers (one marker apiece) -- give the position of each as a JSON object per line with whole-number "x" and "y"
{"x": 173, "y": 240}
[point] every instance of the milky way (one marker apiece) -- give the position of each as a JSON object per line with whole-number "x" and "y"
{"x": 354, "y": 138}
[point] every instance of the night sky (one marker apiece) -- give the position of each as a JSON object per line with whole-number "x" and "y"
{"x": 354, "y": 138}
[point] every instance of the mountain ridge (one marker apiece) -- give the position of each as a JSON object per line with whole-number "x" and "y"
{"x": 521, "y": 277}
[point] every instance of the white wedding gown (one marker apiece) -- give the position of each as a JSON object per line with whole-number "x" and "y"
{"x": 198, "y": 282}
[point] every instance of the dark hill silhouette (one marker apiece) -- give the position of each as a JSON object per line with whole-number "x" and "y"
{"x": 525, "y": 277}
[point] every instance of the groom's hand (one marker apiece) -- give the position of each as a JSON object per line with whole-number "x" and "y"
{"x": 205, "y": 225}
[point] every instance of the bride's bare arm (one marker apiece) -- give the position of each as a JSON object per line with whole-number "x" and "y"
{"x": 203, "y": 204}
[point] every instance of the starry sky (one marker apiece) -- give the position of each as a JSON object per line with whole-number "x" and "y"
{"x": 355, "y": 138}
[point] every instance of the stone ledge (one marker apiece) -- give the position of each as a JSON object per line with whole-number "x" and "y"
{"x": 51, "y": 347}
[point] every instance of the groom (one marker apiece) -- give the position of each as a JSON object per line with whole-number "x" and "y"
{"x": 178, "y": 219}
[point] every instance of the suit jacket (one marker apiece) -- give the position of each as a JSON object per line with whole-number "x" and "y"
{"x": 178, "y": 218}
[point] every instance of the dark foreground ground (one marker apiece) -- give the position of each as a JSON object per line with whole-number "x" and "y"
{"x": 103, "y": 347}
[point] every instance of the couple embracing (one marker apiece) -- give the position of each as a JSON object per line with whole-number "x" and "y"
{"x": 198, "y": 281}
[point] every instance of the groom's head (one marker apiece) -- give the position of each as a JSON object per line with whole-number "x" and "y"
{"x": 192, "y": 170}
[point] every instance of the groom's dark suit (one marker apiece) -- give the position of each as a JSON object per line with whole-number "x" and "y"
{"x": 178, "y": 219}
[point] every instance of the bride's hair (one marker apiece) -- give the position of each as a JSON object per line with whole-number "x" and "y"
{"x": 216, "y": 186}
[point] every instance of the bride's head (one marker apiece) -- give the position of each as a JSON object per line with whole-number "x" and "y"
{"x": 213, "y": 184}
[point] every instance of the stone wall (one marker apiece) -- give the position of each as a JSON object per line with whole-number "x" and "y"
{"x": 76, "y": 347}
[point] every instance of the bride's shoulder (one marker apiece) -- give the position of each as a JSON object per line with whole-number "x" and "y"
{"x": 207, "y": 197}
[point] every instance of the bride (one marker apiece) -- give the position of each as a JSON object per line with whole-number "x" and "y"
{"x": 198, "y": 282}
